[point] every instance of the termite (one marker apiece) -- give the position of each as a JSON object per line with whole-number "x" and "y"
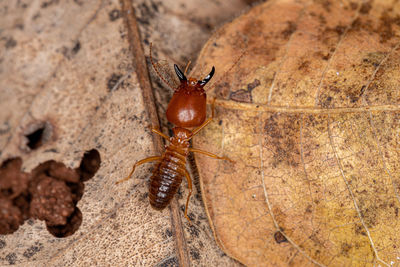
{"x": 187, "y": 109}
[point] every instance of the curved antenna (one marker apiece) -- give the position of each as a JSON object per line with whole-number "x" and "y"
{"x": 187, "y": 66}
{"x": 156, "y": 70}
{"x": 226, "y": 72}
{"x": 179, "y": 73}
{"x": 208, "y": 77}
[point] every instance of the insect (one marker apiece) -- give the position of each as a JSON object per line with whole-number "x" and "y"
{"x": 187, "y": 109}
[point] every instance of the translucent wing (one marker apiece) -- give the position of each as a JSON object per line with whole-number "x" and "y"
{"x": 165, "y": 71}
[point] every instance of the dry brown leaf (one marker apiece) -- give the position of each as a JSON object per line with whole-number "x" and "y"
{"x": 66, "y": 66}
{"x": 311, "y": 115}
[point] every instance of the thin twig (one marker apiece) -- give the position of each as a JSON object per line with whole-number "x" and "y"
{"x": 142, "y": 73}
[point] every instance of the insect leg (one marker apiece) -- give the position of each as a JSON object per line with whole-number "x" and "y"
{"x": 195, "y": 131}
{"x": 140, "y": 162}
{"x": 154, "y": 130}
{"x": 195, "y": 150}
{"x": 189, "y": 180}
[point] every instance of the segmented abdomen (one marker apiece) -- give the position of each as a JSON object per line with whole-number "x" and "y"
{"x": 167, "y": 177}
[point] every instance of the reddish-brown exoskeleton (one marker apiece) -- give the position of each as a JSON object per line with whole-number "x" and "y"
{"x": 187, "y": 109}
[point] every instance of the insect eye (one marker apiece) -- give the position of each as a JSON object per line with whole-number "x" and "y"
{"x": 179, "y": 73}
{"x": 208, "y": 77}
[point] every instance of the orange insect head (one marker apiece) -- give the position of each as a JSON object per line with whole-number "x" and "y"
{"x": 187, "y": 107}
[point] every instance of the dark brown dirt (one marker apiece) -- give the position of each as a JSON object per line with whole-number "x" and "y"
{"x": 50, "y": 193}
